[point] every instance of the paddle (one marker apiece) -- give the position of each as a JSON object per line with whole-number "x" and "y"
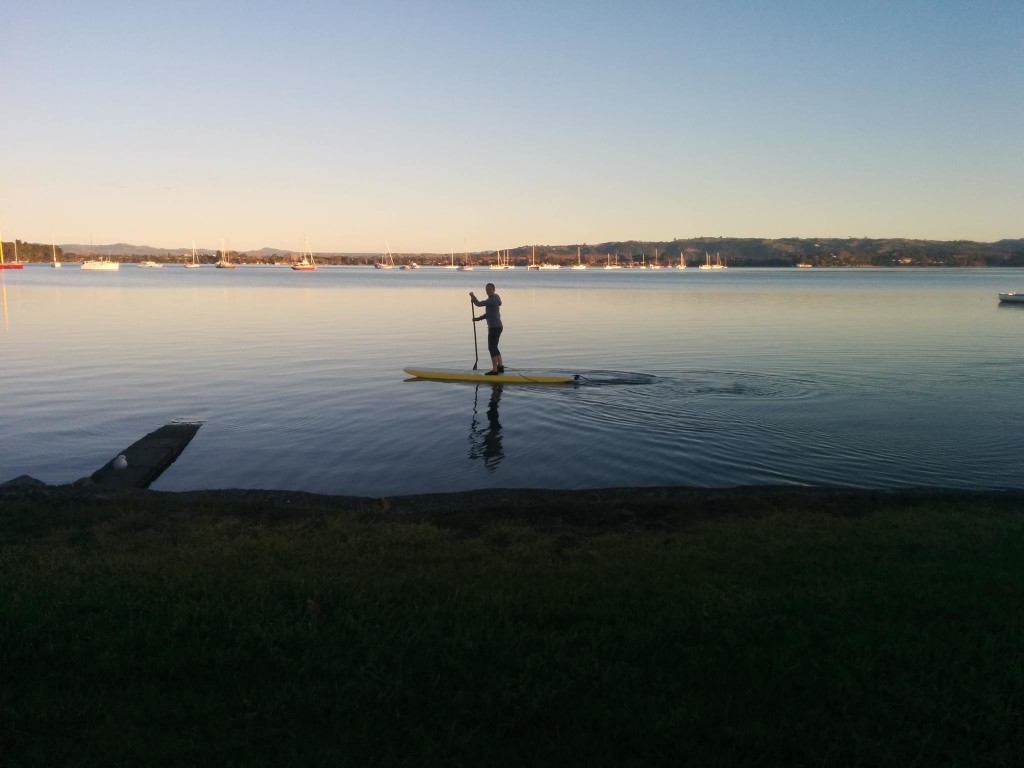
{"x": 476, "y": 352}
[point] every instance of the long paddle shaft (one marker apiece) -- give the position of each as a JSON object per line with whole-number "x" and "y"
{"x": 476, "y": 352}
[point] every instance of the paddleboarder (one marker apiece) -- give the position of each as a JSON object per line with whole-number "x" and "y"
{"x": 492, "y": 314}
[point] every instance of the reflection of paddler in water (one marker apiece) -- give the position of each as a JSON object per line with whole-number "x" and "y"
{"x": 485, "y": 441}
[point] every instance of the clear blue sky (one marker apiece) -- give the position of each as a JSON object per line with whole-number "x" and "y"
{"x": 441, "y": 125}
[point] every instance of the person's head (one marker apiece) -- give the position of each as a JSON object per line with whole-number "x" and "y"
{"x": 489, "y": 288}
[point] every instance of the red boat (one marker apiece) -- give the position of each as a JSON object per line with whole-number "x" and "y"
{"x": 307, "y": 264}
{"x": 14, "y": 264}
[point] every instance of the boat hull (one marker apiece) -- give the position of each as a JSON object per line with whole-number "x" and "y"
{"x": 1011, "y": 298}
{"x": 435, "y": 374}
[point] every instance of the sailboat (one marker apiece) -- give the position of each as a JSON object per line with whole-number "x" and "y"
{"x": 654, "y": 264}
{"x": 466, "y": 265}
{"x": 14, "y": 264}
{"x": 533, "y": 259}
{"x": 387, "y": 261}
{"x": 452, "y": 265}
{"x": 708, "y": 263}
{"x": 224, "y": 263}
{"x": 101, "y": 265}
{"x": 682, "y": 263}
{"x": 502, "y": 262}
{"x": 307, "y": 264}
{"x": 104, "y": 265}
{"x": 194, "y": 264}
{"x": 579, "y": 261}
{"x": 616, "y": 265}
{"x": 55, "y": 264}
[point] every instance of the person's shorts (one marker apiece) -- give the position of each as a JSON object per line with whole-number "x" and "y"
{"x": 493, "y": 334}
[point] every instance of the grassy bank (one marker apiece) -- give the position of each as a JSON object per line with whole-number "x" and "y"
{"x": 613, "y": 628}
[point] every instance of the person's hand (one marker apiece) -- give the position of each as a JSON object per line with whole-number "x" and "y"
{"x": 472, "y": 295}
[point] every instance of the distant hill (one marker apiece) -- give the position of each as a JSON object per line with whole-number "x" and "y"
{"x": 125, "y": 249}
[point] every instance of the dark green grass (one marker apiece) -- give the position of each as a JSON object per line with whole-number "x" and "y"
{"x": 135, "y": 632}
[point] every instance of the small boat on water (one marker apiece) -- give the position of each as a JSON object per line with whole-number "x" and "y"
{"x": 307, "y": 264}
{"x": 1011, "y": 298}
{"x": 10, "y": 265}
{"x": 708, "y": 264}
{"x": 223, "y": 262}
{"x": 149, "y": 264}
{"x": 101, "y": 265}
{"x": 387, "y": 260}
{"x": 579, "y": 261}
{"x": 194, "y": 264}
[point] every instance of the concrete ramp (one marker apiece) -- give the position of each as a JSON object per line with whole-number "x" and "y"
{"x": 145, "y": 460}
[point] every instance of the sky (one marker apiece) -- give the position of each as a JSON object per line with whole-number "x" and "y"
{"x": 439, "y": 125}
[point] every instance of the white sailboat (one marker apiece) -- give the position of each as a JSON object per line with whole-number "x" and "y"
{"x": 387, "y": 261}
{"x": 224, "y": 263}
{"x": 654, "y": 264}
{"x": 55, "y": 264}
{"x": 682, "y": 263}
{"x": 103, "y": 265}
{"x": 579, "y": 261}
{"x": 610, "y": 265}
{"x": 466, "y": 265}
{"x": 452, "y": 265}
{"x": 502, "y": 262}
{"x": 708, "y": 264}
{"x": 550, "y": 265}
{"x": 194, "y": 264}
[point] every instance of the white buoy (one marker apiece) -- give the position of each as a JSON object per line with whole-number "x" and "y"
{"x": 121, "y": 462}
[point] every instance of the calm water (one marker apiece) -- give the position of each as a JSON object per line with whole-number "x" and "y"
{"x": 868, "y": 378}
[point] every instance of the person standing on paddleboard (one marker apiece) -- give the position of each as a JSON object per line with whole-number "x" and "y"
{"x": 492, "y": 314}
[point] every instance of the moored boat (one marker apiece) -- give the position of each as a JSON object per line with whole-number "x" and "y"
{"x": 102, "y": 265}
{"x": 10, "y": 265}
{"x": 194, "y": 264}
{"x": 307, "y": 264}
{"x": 1011, "y": 298}
{"x": 387, "y": 260}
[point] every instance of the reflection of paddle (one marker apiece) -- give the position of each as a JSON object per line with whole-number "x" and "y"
{"x": 476, "y": 352}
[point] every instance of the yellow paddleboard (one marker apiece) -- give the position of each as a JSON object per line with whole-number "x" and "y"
{"x": 508, "y": 377}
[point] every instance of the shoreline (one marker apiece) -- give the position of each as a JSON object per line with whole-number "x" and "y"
{"x": 611, "y": 508}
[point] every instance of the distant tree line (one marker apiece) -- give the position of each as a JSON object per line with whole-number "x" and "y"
{"x": 788, "y": 252}
{"x": 735, "y": 252}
